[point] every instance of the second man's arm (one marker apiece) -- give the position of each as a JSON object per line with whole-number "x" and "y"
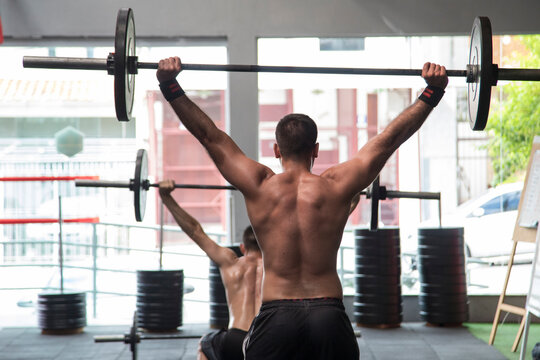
{"x": 220, "y": 255}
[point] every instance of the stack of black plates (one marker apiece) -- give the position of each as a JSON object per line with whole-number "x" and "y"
{"x": 159, "y": 299}
{"x": 62, "y": 311}
{"x": 219, "y": 311}
{"x": 443, "y": 281}
{"x": 377, "y": 299}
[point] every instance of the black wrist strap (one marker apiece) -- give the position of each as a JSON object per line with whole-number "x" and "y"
{"x": 171, "y": 89}
{"x": 431, "y": 95}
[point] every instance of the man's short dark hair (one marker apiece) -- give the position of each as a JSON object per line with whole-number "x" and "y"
{"x": 296, "y": 134}
{"x": 249, "y": 240}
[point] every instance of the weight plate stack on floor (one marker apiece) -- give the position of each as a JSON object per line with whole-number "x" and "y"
{"x": 62, "y": 313}
{"x": 443, "y": 282}
{"x": 377, "y": 299}
{"x": 160, "y": 297}
{"x": 219, "y": 311}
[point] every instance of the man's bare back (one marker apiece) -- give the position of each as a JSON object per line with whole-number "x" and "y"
{"x": 298, "y": 238}
{"x": 242, "y": 282}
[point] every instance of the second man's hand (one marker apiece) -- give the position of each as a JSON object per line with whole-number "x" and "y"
{"x": 166, "y": 187}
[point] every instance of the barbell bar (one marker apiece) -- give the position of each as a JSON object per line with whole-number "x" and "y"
{"x": 133, "y": 337}
{"x": 480, "y": 73}
{"x": 140, "y": 185}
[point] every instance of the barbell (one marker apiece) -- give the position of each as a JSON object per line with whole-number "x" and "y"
{"x": 480, "y": 73}
{"x": 140, "y": 185}
{"x": 133, "y": 337}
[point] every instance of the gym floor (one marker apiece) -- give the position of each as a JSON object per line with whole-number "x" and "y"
{"x": 411, "y": 341}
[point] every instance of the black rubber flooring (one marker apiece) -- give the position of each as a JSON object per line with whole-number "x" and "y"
{"x": 411, "y": 341}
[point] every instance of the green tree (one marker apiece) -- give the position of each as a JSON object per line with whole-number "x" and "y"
{"x": 516, "y": 119}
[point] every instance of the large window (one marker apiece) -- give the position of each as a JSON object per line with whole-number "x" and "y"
{"x": 444, "y": 156}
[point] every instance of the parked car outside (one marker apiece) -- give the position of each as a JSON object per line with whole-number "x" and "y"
{"x": 488, "y": 221}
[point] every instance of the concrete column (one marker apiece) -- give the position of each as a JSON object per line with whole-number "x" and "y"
{"x": 242, "y": 119}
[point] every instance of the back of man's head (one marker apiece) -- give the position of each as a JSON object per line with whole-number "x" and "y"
{"x": 249, "y": 240}
{"x": 296, "y": 135}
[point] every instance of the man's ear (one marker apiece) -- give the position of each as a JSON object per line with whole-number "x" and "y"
{"x": 277, "y": 153}
{"x": 316, "y": 150}
{"x": 242, "y": 248}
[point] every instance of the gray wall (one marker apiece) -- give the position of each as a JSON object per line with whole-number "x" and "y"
{"x": 241, "y": 22}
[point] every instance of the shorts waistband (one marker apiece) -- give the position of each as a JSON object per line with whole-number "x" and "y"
{"x": 297, "y": 303}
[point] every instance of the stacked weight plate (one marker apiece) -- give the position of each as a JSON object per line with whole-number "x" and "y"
{"x": 443, "y": 283}
{"x": 219, "y": 311}
{"x": 58, "y": 312}
{"x": 377, "y": 299}
{"x": 159, "y": 299}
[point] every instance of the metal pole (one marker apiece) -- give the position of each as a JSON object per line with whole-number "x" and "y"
{"x": 161, "y": 236}
{"x": 94, "y": 269}
{"x": 60, "y": 249}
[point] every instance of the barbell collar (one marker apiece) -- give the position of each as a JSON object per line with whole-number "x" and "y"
{"x": 192, "y": 186}
{"x": 48, "y": 62}
{"x": 391, "y": 194}
{"x": 102, "y": 183}
{"x": 109, "y": 338}
{"x": 518, "y": 74}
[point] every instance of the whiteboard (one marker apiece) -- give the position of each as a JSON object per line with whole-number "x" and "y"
{"x": 533, "y": 299}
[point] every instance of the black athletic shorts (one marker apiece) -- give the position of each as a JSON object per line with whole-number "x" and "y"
{"x": 224, "y": 344}
{"x": 302, "y": 329}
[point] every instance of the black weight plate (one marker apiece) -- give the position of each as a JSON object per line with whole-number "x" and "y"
{"x": 159, "y": 274}
{"x": 442, "y": 242}
{"x": 439, "y": 299}
{"x": 435, "y": 250}
{"x": 378, "y": 270}
{"x": 438, "y": 232}
{"x": 377, "y": 308}
{"x": 65, "y": 298}
{"x": 481, "y": 57}
{"x": 378, "y": 251}
{"x": 364, "y": 279}
{"x": 459, "y": 288}
{"x": 377, "y": 319}
{"x": 443, "y": 270}
{"x": 444, "y": 318}
{"x": 124, "y": 47}
{"x": 377, "y": 260}
{"x": 141, "y": 174}
{"x": 60, "y": 324}
{"x": 368, "y": 298}
{"x": 442, "y": 279}
{"x": 429, "y": 261}
{"x": 386, "y": 290}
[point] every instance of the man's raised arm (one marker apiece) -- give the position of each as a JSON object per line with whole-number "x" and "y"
{"x": 220, "y": 255}
{"x": 360, "y": 171}
{"x": 241, "y": 171}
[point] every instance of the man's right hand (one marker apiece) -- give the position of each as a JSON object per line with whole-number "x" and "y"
{"x": 168, "y": 69}
{"x": 166, "y": 187}
{"x": 435, "y": 75}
